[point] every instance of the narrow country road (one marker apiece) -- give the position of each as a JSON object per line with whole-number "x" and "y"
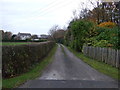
{"x": 67, "y": 71}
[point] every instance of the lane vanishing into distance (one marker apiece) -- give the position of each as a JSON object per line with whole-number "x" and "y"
{"x": 68, "y": 71}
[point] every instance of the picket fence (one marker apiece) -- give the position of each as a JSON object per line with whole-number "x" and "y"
{"x": 107, "y": 55}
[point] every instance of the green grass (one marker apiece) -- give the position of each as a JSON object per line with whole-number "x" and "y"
{"x": 63, "y": 50}
{"x": 14, "y": 43}
{"x": 32, "y": 74}
{"x": 100, "y": 66}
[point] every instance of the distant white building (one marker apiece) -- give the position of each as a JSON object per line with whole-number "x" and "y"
{"x": 43, "y": 36}
{"x": 24, "y": 36}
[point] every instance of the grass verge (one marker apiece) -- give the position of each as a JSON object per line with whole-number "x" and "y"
{"x": 14, "y": 43}
{"x": 63, "y": 50}
{"x": 32, "y": 74}
{"x": 100, "y": 66}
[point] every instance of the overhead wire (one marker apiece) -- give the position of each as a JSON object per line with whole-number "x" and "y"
{"x": 64, "y": 4}
{"x": 54, "y": 7}
{"x": 44, "y": 9}
{"x": 48, "y": 6}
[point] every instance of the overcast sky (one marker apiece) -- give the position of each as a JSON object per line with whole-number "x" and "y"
{"x": 37, "y": 16}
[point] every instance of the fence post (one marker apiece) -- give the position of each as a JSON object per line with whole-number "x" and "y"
{"x": 103, "y": 54}
{"x": 114, "y": 57}
{"x": 100, "y": 54}
{"x": 93, "y": 52}
{"x": 107, "y": 55}
{"x": 117, "y": 59}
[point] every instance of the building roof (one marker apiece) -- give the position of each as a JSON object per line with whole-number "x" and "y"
{"x": 43, "y": 35}
{"x": 25, "y": 34}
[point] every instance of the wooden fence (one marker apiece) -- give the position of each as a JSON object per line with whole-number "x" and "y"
{"x": 107, "y": 55}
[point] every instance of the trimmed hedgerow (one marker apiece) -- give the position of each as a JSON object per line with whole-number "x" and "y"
{"x": 19, "y": 59}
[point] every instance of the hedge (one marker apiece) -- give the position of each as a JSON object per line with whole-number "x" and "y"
{"x": 12, "y": 40}
{"x": 19, "y": 59}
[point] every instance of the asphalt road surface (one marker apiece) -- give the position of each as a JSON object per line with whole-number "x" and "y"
{"x": 68, "y": 71}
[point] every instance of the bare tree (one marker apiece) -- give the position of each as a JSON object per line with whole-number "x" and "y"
{"x": 52, "y": 31}
{"x": 75, "y": 15}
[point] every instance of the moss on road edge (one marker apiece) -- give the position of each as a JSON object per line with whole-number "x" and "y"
{"x": 32, "y": 74}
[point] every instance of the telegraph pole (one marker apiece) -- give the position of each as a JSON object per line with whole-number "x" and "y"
{"x": 98, "y": 12}
{"x": 119, "y": 13}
